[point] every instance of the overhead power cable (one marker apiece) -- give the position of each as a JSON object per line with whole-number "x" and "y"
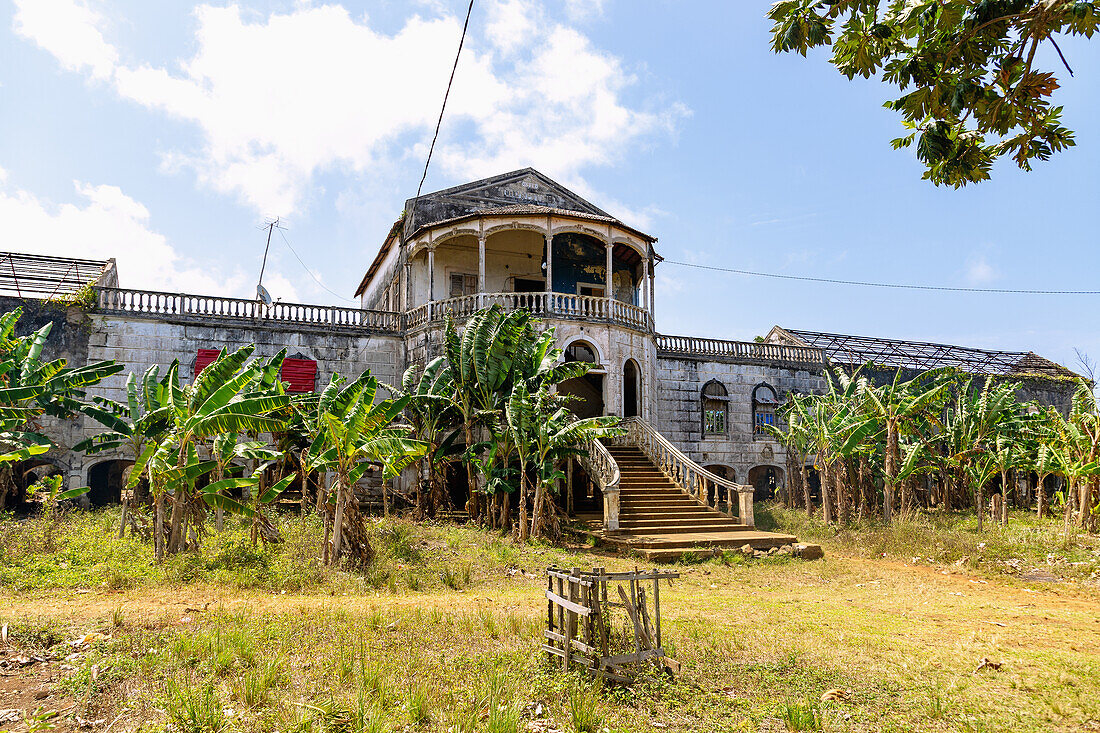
{"x": 309, "y": 271}
{"x": 894, "y": 286}
{"x": 442, "y": 109}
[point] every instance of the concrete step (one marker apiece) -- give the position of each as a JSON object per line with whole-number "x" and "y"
{"x": 703, "y": 522}
{"x": 670, "y": 514}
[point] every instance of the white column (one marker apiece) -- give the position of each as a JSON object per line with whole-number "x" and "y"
{"x": 651, "y": 273}
{"x": 406, "y": 292}
{"x": 610, "y": 247}
{"x": 549, "y": 262}
{"x": 481, "y": 263}
{"x": 431, "y": 274}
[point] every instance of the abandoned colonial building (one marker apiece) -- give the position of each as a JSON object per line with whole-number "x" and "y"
{"x": 697, "y": 408}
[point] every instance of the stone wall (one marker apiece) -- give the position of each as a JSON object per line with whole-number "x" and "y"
{"x": 679, "y": 410}
{"x": 81, "y": 337}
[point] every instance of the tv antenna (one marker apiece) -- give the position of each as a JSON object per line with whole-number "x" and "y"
{"x": 261, "y": 292}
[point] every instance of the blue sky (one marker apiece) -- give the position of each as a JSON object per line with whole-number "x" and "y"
{"x": 164, "y": 133}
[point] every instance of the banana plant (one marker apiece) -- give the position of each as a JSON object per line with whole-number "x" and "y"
{"x": 481, "y": 365}
{"x": 231, "y": 395}
{"x": 50, "y": 487}
{"x": 435, "y": 420}
{"x": 31, "y": 387}
{"x": 132, "y": 425}
{"x": 353, "y": 434}
{"x": 543, "y": 431}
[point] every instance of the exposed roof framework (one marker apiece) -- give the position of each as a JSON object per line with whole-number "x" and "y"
{"x": 920, "y": 355}
{"x": 41, "y": 276}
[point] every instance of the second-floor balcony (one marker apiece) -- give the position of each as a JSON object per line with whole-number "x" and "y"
{"x": 550, "y": 306}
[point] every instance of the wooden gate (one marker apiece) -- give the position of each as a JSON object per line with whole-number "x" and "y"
{"x": 582, "y": 629}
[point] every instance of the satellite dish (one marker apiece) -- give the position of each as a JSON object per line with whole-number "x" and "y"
{"x": 262, "y": 295}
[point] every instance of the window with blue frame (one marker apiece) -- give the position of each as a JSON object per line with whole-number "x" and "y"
{"x": 764, "y": 403}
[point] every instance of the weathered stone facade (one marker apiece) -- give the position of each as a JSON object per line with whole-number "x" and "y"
{"x": 679, "y": 414}
{"x": 519, "y": 240}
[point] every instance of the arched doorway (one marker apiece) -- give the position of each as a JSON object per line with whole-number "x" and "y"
{"x": 106, "y": 481}
{"x": 587, "y": 390}
{"x": 631, "y": 389}
{"x": 24, "y": 475}
{"x": 722, "y": 471}
{"x": 764, "y": 481}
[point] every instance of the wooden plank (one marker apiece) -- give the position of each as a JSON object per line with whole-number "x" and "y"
{"x": 561, "y": 619}
{"x": 601, "y": 624}
{"x": 613, "y": 677}
{"x": 643, "y": 613}
{"x": 577, "y": 643}
{"x": 643, "y": 575}
{"x": 619, "y": 659}
{"x": 549, "y": 611}
{"x": 574, "y": 655}
{"x": 633, "y": 619}
{"x": 567, "y": 604}
{"x": 657, "y": 609}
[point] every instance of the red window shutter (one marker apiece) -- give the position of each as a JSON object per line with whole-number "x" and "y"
{"x": 205, "y": 358}
{"x": 300, "y": 373}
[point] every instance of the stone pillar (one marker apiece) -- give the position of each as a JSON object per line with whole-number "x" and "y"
{"x": 745, "y": 510}
{"x": 481, "y": 263}
{"x": 406, "y": 292}
{"x": 651, "y": 275}
{"x": 549, "y": 262}
{"x": 608, "y": 292}
{"x": 611, "y": 510}
{"x": 549, "y": 288}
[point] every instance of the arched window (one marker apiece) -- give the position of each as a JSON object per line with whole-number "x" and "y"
{"x": 581, "y": 351}
{"x": 764, "y": 402}
{"x": 716, "y": 409}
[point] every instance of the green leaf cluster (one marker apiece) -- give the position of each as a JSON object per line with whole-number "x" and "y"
{"x": 970, "y": 86}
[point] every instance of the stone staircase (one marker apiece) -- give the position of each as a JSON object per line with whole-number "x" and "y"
{"x": 662, "y": 522}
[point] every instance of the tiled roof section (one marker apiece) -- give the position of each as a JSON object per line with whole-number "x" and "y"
{"x": 853, "y": 350}
{"x": 532, "y": 210}
{"x": 525, "y": 209}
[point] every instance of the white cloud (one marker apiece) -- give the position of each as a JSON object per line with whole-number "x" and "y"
{"x": 579, "y": 10}
{"x": 282, "y": 99}
{"x": 69, "y": 30}
{"x": 979, "y": 271}
{"x": 108, "y": 223}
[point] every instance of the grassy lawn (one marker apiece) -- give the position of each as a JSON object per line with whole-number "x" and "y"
{"x": 442, "y": 631}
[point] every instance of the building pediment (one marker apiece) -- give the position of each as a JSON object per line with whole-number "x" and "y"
{"x": 526, "y": 187}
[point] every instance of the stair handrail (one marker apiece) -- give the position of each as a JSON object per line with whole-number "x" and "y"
{"x": 601, "y": 466}
{"x": 692, "y": 478}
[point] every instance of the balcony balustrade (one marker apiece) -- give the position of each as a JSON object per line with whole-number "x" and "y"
{"x": 753, "y": 351}
{"x": 561, "y": 306}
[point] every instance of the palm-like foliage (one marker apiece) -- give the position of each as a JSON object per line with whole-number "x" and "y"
{"x": 31, "y": 387}
{"x": 435, "y": 420}
{"x": 234, "y": 394}
{"x": 543, "y": 431}
{"x": 131, "y": 426}
{"x": 957, "y": 429}
{"x": 481, "y": 366}
{"x": 354, "y": 434}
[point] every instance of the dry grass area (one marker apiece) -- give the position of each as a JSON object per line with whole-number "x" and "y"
{"x": 442, "y": 634}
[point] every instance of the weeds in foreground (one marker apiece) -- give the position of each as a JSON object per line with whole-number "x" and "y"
{"x": 194, "y": 709}
{"x": 800, "y": 716}
{"x": 584, "y": 710}
{"x": 950, "y": 538}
